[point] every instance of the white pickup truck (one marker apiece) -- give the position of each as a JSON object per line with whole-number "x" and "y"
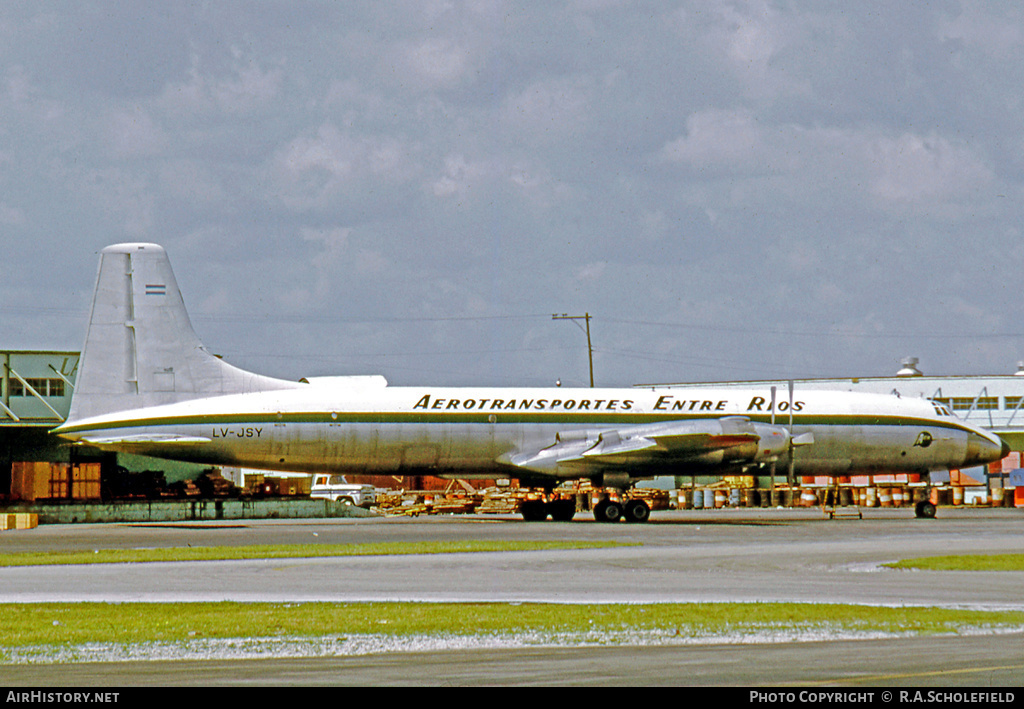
{"x": 336, "y": 487}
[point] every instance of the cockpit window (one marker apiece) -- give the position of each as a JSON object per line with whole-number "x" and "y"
{"x": 941, "y": 409}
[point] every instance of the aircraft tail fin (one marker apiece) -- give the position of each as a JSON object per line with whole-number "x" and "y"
{"x": 140, "y": 348}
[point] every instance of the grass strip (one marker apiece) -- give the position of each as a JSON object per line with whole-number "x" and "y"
{"x": 287, "y": 551}
{"x": 963, "y": 562}
{"x": 69, "y": 624}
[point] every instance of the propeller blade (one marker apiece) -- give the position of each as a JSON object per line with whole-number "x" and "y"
{"x": 791, "y": 407}
{"x": 791, "y": 475}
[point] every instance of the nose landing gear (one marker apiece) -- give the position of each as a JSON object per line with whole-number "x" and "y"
{"x": 924, "y": 510}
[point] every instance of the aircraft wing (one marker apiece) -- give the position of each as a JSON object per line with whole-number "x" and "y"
{"x": 705, "y": 443}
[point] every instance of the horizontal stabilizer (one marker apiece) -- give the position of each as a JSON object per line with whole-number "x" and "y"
{"x": 144, "y": 439}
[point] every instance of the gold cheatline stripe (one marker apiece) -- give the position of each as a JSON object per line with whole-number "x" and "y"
{"x": 484, "y": 417}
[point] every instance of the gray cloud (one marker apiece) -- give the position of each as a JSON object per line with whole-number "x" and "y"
{"x": 732, "y": 190}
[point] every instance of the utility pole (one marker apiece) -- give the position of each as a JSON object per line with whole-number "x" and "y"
{"x": 590, "y": 349}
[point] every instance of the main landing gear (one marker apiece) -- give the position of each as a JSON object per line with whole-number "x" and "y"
{"x": 563, "y": 509}
{"x": 560, "y": 510}
{"x": 632, "y": 510}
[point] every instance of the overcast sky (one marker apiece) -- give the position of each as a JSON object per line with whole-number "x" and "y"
{"x": 732, "y": 190}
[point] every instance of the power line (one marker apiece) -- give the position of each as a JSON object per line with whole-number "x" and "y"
{"x": 839, "y": 333}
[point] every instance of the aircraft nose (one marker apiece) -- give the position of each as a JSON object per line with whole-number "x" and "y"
{"x": 985, "y": 449}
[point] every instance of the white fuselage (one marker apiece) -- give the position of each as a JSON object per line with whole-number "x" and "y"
{"x": 474, "y": 432}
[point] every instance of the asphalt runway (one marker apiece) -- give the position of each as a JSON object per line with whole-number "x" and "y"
{"x": 719, "y": 555}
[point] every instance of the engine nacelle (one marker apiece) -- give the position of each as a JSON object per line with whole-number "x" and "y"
{"x": 773, "y": 442}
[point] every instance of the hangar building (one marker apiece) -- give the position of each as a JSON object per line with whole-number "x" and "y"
{"x": 35, "y": 397}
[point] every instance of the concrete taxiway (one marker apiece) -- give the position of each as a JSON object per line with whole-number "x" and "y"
{"x": 721, "y": 555}
{"x": 792, "y": 555}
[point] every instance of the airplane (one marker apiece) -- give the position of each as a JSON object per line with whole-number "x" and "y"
{"x": 147, "y": 385}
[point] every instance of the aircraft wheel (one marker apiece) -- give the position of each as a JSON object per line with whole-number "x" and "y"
{"x": 533, "y": 510}
{"x": 562, "y": 510}
{"x": 637, "y": 511}
{"x": 608, "y": 511}
{"x": 924, "y": 510}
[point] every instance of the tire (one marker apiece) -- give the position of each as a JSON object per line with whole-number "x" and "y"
{"x": 637, "y": 511}
{"x": 608, "y": 511}
{"x": 562, "y": 510}
{"x": 924, "y": 510}
{"x": 533, "y": 510}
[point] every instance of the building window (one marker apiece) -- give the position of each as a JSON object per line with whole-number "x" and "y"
{"x": 967, "y": 403}
{"x": 44, "y": 387}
